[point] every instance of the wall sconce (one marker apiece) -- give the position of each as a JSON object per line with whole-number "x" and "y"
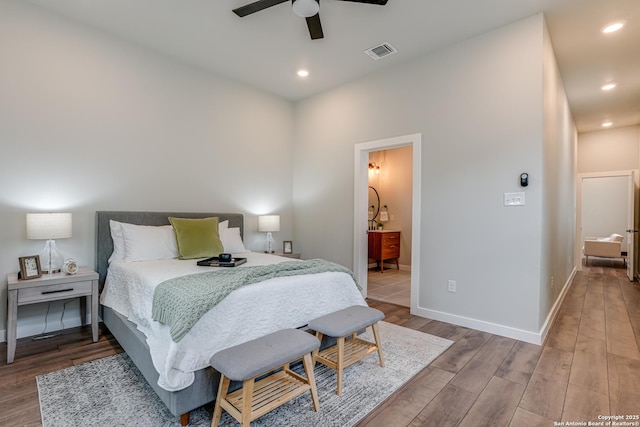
{"x": 49, "y": 226}
{"x": 373, "y": 168}
{"x": 269, "y": 223}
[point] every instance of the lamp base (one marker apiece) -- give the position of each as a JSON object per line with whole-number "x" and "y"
{"x": 269, "y": 243}
{"x": 50, "y": 259}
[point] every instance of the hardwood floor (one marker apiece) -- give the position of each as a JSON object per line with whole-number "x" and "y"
{"x": 19, "y": 405}
{"x": 589, "y": 366}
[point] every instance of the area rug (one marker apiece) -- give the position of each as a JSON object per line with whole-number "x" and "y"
{"x": 112, "y": 392}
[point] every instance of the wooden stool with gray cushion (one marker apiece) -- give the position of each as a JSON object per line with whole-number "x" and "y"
{"x": 341, "y": 324}
{"x": 250, "y": 360}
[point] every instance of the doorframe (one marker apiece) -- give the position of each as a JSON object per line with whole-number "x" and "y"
{"x": 361, "y": 186}
{"x": 634, "y": 175}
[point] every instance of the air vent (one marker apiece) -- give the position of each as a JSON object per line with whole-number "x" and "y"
{"x": 380, "y": 51}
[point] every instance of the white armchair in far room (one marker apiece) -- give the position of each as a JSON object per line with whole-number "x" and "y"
{"x": 606, "y": 247}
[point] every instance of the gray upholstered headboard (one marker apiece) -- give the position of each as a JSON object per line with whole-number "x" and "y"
{"x": 103, "y": 231}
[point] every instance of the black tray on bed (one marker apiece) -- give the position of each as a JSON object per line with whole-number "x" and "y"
{"x": 214, "y": 261}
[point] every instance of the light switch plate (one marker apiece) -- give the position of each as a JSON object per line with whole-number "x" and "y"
{"x": 514, "y": 199}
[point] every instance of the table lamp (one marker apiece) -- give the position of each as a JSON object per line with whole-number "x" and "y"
{"x": 49, "y": 226}
{"x": 269, "y": 223}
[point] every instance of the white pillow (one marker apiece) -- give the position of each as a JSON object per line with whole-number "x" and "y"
{"x": 118, "y": 241}
{"x": 231, "y": 240}
{"x": 223, "y": 225}
{"x": 616, "y": 238}
{"x": 148, "y": 243}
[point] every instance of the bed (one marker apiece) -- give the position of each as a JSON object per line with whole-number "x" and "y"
{"x": 140, "y": 341}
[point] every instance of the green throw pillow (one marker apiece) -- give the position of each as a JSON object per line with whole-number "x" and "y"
{"x": 197, "y": 238}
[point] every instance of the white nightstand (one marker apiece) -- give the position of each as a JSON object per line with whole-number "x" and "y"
{"x": 51, "y": 287}
{"x": 297, "y": 256}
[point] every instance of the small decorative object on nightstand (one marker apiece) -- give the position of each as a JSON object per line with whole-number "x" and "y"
{"x": 287, "y": 247}
{"x": 29, "y": 267}
{"x": 70, "y": 267}
{"x": 51, "y": 287}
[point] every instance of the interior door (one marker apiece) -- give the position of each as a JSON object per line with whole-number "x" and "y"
{"x": 631, "y": 228}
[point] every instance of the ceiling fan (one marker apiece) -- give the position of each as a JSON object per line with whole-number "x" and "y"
{"x": 308, "y": 9}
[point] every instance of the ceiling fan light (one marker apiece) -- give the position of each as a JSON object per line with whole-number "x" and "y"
{"x": 305, "y": 8}
{"x": 613, "y": 27}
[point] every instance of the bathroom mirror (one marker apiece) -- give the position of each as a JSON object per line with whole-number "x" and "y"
{"x": 374, "y": 207}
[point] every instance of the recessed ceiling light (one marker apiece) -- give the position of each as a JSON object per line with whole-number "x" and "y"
{"x": 608, "y": 86}
{"x": 303, "y": 73}
{"x": 606, "y": 124}
{"x": 613, "y": 27}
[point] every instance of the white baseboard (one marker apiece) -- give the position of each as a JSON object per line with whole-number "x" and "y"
{"x": 537, "y": 338}
{"x": 480, "y": 325}
{"x": 551, "y": 317}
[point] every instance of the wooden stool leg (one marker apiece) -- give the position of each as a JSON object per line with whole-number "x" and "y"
{"x": 308, "y": 369}
{"x": 376, "y": 336}
{"x": 247, "y": 400}
{"x": 340, "y": 364}
{"x": 317, "y": 350}
{"x": 222, "y": 394}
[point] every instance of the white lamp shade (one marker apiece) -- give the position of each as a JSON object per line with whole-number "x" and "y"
{"x": 269, "y": 223}
{"x": 44, "y": 226}
{"x": 305, "y": 8}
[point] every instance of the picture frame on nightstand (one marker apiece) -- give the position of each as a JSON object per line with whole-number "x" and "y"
{"x": 287, "y": 247}
{"x": 30, "y": 267}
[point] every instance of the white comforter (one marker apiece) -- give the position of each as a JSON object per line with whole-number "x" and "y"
{"x": 247, "y": 313}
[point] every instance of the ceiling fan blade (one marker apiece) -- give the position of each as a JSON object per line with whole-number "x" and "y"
{"x": 315, "y": 27}
{"x": 378, "y": 2}
{"x": 256, "y": 7}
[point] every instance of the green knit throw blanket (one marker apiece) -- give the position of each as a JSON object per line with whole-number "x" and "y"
{"x": 180, "y": 302}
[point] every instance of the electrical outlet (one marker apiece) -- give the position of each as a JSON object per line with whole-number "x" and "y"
{"x": 552, "y": 283}
{"x": 451, "y": 287}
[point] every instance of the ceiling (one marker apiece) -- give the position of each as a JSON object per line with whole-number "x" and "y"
{"x": 266, "y": 49}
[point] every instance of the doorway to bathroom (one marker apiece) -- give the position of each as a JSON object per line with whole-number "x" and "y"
{"x": 402, "y": 214}
{"x": 390, "y": 175}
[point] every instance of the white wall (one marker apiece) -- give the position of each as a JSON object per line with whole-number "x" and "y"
{"x": 559, "y": 202}
{"x": 609, "y": 150}
{"x": 91, "y": 123}
{"x": 479, "y": 107}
